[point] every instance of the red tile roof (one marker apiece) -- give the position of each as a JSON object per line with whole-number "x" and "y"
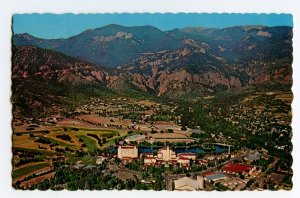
{"x": 183, "y": 158}
{"x": 236, "y": 168}
{"x": 149, "y": 158}
{"x": 203, "y": 161}
{"x": 187, "y": 154}
{"x": 208, "y": 173}
{"x": 127, "y": 147}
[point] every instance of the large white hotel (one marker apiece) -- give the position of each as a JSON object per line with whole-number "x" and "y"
{"x": 164, "y": 155}
{"x": 128, "y": 152}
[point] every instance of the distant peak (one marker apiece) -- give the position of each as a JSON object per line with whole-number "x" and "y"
{"x": 113, "y": 25}
{"x": 23, "y": 34}
{"x": 251, "y": 27}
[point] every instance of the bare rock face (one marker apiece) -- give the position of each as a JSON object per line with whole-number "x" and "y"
{"x": 264, "y": 33}
{"x": 184, "y": 52}
{"x": 235, "y": 82}
{"x": 168, "y": 72}
{"x": 182, "y": 82}
{"x": 117, "y": 36}
{"x": 139, "y": 81}
{"x": 98, "y": 75}
{"x": 151, "y": 83}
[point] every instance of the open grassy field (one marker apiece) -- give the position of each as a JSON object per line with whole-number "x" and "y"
{"x": 105, "y": 121}
{"x": 57, "y": 141}
{"x": 25, "y": 141}
{"x": 28, "y": 169}
{"x": 37, "y": 180}
{"x": 40, "y": 128}
{"x": 90, "y": 143}
{"x": 74, "y": 123}
{"x": 29, "y": 139}
{"x": 39, "y": 151}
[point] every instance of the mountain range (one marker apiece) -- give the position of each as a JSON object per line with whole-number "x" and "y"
{"x": 115, "y": 45}
{"x": 192, "y": 61}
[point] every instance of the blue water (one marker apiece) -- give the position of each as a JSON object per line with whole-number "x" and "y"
{"x": 189, "y": 150}
{"x": 220, "y": 149}
{"x": 149, "y": 149}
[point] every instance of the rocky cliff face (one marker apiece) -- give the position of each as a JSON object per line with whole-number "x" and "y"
{"x": 191, "y": 70}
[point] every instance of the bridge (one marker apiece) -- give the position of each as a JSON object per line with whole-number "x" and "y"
{"x": 221, "y": 144}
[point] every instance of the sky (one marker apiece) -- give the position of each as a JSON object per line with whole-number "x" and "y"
{"x": 51, "y": 26}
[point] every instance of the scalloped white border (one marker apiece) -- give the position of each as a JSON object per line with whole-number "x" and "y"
{"x": 10, "y": 7}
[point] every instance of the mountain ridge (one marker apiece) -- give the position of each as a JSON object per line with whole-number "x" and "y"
{"x": 114, "y": 45}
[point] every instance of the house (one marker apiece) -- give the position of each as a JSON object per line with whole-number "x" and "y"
{"x": 189, "y": 184}
{"x": 127, "y": 152}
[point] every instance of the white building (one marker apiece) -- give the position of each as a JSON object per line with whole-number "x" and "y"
{"x": 185, "y": 162}
{"x": 149, "y": 161}
{"x": 166, "y": 154}
{"x": 135, "y": 138}
{"x": 252, "y": 157}
{"x": 215, "y": 177}
{"x": 189, "y": 184}
{"x": 127, "y": 152}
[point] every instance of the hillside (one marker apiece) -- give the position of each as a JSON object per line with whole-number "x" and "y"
{"x": 46, "y": 81}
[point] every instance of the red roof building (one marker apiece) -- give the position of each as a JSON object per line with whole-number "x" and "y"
{"x": 237, "y": 168}
{"x": 207, "y": 173}
{"x": 191, "y": 156}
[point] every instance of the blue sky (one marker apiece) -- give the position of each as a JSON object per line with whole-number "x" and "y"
{"x": 66, "y": 25}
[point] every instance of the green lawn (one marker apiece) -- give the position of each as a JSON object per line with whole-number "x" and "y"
{"x": 91, "y": 144}
{"x": 56, "y": 141}
{"x": 99, "y": 131}
{"x": 28, "y": 169}
{"x": 38, "y": 151}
